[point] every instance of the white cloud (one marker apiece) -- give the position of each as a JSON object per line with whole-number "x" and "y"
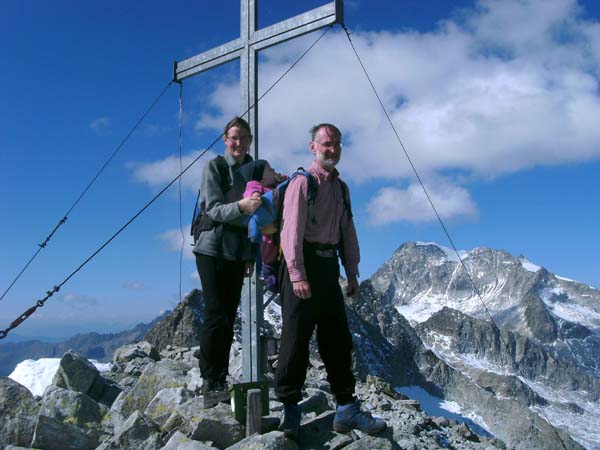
{"x": 134, "y": 285}
{"x": 505, "y": 86}
{"x": 78, "y": 300}
{"x": 158, "y": 173}
{"x": 100, "y": 124}
{"x": 393, "y": 204}
{"x": 173, "y": 238}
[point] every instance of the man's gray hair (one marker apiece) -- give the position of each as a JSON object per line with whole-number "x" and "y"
{"x": 314, "y": 130}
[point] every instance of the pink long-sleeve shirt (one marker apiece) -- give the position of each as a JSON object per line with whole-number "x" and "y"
{"x": 331, "y": 220}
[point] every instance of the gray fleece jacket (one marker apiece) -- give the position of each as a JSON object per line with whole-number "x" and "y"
{"x": 223, "y": 207}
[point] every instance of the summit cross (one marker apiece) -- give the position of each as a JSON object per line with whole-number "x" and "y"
{"x": 246, "y": 48}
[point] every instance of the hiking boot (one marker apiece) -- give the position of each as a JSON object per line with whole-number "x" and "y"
{"x": 290, "y": 422}
{"x": 350, "y": 417}
{"x": 214, "y": 392}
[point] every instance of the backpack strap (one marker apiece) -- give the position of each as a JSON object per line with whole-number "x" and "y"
{"x": 346, "y": 198}
{"x": 312, "y": 192}
{"x": 348, "y": 208}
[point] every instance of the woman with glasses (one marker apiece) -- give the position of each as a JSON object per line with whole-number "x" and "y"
{"x": 223, "y": 255}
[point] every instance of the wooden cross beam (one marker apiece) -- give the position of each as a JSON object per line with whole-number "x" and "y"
{"x": 246, "y": 48}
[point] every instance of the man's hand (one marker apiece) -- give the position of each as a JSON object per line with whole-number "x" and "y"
{"x": 249, "y": 268}
{"x": 301, "y": 289}
{"x": 352, "y": 287}
{"x": 249, "y": 204}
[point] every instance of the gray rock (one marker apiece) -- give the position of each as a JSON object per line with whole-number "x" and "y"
{"x": 215, "y": 424}
{"x": 73, "y": 409}
{"x": 440, "y": 421}
{"x": 318, "y": 431}
{"x": 18, "y": 411}
{"x": 370, "y": 443}
{"x": 155, "y": 377}
{"x": 316, "y": 402}
{"x": 130, "y": 352}
{"x": 53, "y": 434}
{"x": 275, "y": 440}
{"x": 165, "y": 403}
{"x": 138, "y": 432}
{"x": 180, "y": 441}
{"x": 76, "y": 373}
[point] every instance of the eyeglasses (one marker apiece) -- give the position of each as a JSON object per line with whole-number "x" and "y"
{"x": 331, "y": 144}
{"x": 243, "y": 138}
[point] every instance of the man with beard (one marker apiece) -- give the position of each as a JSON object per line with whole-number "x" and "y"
{"x": 311, "y": 296}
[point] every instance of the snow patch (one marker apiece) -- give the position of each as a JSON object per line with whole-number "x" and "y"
{"x": 569, "y": 310}
{"x": 36, "y": 375}
{"x": 528, "y": 265}
{"x": 450, "y": 253}
{"x": 435, "y": 406}
{"x": 419, "y": 311}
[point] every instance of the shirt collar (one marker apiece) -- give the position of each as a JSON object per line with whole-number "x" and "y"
{"x": 321, "y": 173}
{"x": 232, "y": 161}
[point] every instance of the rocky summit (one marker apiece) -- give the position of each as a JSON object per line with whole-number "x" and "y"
{"x": 524, "y": 367}
{"x": 152, "y": 400}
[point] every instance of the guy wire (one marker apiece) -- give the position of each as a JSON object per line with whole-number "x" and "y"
{"x": 518, "y": 369}
{"x": 93, "y": 180}
{"x": 179, "y": 186}
{"x": 41, "y": 302}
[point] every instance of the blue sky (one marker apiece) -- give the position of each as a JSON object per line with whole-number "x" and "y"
{"x": 496, "y": 102}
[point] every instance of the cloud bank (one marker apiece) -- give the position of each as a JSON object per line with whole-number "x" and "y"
{"x": 501, "y": 87}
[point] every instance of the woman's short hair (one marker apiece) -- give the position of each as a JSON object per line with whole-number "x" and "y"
{"x": 236, "y": 122}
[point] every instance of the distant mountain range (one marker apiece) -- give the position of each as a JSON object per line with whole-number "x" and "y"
{"x": 92, "y": 345}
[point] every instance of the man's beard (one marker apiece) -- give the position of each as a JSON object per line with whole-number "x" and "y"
{"x": 330, "y": 163}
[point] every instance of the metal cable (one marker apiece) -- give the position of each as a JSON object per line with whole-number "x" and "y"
{"x": 179, "y": 186}
{"x": 93, "y": 180}
{"x": 518, "y": 369}
{"x": 50, "y": 293}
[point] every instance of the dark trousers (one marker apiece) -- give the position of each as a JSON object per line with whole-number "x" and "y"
{"x": 325, "y": 311}
{"x": 221, "y": 286}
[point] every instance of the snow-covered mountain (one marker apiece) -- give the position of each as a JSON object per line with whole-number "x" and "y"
{"x": 542, "y": 347}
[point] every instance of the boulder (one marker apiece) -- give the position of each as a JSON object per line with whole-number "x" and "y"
{"x": 138, "y": 432}
{"x": 18, "y": 411}
{"x": 275, "y": 440}
{"x": 130, "y": 352}
{"x": 155, "y": 377}
{"x": 215, "y": 425}
{"x": 316, "y": 402}
{"x": 76, "y": 373}
{"x": 371, "y": 443}
{"x": 180, "y": 441}
{"x": 318, "y": 432}
{"x": 73, "y": 408}
{"x": 53, "y": 434}
{"x": 165, "y": 402}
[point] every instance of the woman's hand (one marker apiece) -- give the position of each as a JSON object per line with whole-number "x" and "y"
{"x": 249, "y": 204}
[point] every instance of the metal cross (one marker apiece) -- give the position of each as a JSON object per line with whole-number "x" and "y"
{"x": 246, "y": 48}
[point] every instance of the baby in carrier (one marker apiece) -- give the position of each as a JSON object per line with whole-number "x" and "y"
{"x": 261, "y": 178}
